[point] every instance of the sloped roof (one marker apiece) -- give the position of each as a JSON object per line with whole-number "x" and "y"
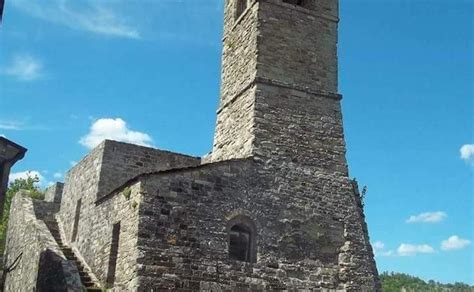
{"x": 10, "y": 151}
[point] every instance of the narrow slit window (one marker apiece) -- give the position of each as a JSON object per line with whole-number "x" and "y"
{"x": 240, "y": 243}
{"x": 240, "y": 8}
{"x": 76, "y": 220}
{"x": 113, "y": 255}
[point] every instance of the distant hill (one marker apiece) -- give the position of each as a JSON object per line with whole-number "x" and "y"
{"x": 396, "y": 282}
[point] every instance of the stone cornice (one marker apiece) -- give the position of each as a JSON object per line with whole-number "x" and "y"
{"x": 276, "y": 83}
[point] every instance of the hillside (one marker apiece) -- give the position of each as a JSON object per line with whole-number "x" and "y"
{"x": 395, "y": 282}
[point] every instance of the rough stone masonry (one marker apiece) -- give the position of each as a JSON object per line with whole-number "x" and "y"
{"x": 272, "y": 208}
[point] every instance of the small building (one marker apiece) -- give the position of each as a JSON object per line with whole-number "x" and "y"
{"x": 10, "y": 153}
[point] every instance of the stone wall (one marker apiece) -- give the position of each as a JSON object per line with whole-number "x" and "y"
{"x": 234, "y": 129}
{"x": 94, "y": 234}
{"x": 308, "y": 228}
{"x": 239, "y": 62}
{"x": 123, "y": 161}
{"x": 239, "y": 52}
{"x": 81, "y": 181}
{"x": 54, "y": 193}
{"x": 42, "y": 266}
{"x": 93, "y": 181}
{"x": 298, "y": 126}
{"x": 298, "y": 46}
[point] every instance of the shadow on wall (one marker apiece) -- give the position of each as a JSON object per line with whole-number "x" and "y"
{"x": 50, "y": 273}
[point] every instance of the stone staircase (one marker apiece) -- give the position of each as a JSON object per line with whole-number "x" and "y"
{"x": 70, "y": 256}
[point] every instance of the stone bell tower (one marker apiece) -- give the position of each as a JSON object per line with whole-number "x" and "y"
{"x": 279, "y": 97}
{"x": 280, "y": 105}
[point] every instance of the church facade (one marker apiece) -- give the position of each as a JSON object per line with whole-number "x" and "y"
{"x": 271, "y": 208}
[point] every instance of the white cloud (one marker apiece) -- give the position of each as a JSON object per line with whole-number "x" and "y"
{"x": 91, "y": 16}
{"x": 467, "y": 152}
{"x": 21, "y": 125}
{"x": 410, "y": 249}
{"x": 379, "y": 249}
{"x": 387, "y": 253}
{"x": 57, "y": 175}
{"x": 454, "y": 242}
{"x": 428, "y": 217}
{"x": 29, "y": 173}
{"x": 378, "y": 245}
{"x": 113, "y": 129}
{"x": 24, "y": 67}
{"x": 9, "y": 125}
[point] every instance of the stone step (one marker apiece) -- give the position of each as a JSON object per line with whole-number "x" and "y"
{"x": 71, "y": 256}
{"x": 79, "y": 266}
{"x": 83, "y": 274}
{"x": 86, "y": 279}
{"x": 88, "y": 284}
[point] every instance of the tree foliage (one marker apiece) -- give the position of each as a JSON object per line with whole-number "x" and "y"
{"x": 396, "y": 282}
{"x": 29, "y": 184}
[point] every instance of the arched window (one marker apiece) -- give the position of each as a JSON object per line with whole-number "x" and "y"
{"x": 242, "y": 239}
{"x": 241, "y": 5}
{"x": 239, "y": 243}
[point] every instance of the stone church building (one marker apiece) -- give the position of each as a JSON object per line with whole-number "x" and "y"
{"x": 271, "y": 208}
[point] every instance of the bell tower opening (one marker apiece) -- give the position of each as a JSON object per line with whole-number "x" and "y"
{"x": 301, "y": 3}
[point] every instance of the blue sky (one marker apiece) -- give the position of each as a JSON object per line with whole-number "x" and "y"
{"x": 74, "y": 72}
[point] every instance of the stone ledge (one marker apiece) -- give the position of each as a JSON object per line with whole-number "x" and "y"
{"x": 266, "y": 81}
{"x": 298, "y": 87}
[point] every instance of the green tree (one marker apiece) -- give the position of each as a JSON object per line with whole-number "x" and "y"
{"x": 29, "y": 184}
{"x": 396, "y": 282}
